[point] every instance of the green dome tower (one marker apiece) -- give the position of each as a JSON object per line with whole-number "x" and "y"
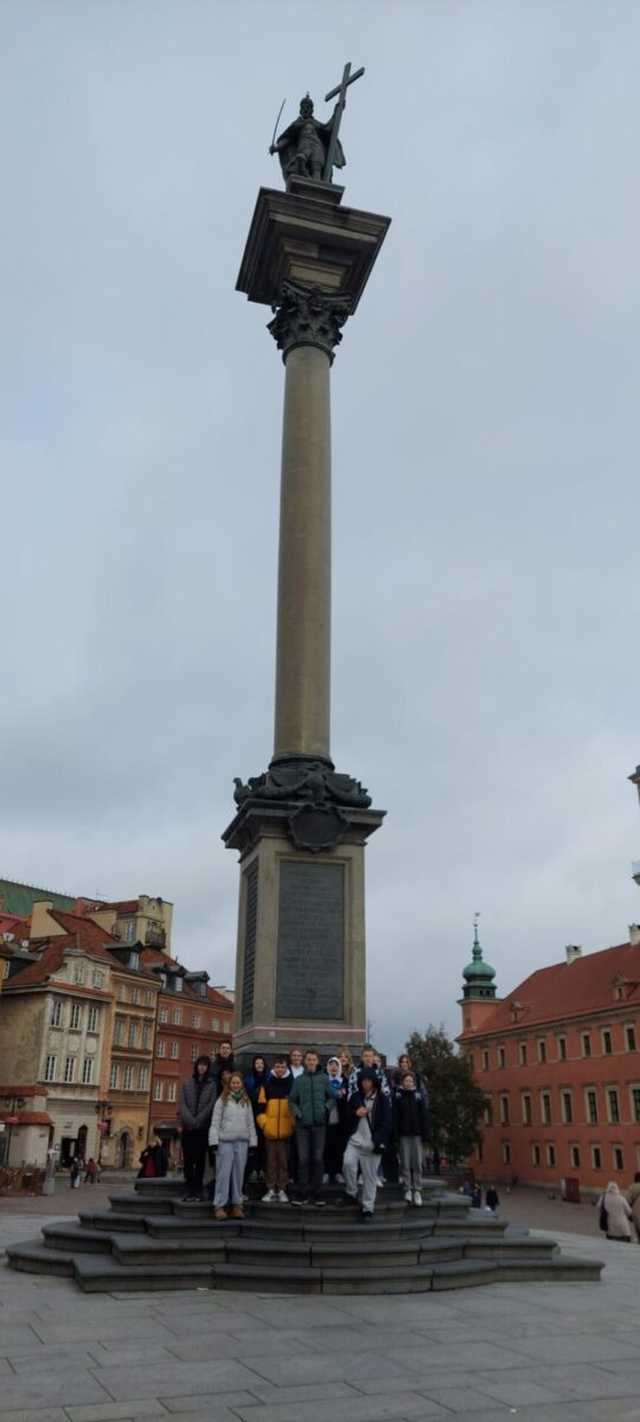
{"x": 478, "y": 975}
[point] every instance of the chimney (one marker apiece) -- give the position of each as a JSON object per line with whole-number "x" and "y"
{"x": 634, "y": 933}
{"x": 573, "y": 951}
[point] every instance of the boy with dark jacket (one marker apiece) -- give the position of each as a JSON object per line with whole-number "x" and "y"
{"x": 370, "y": 1131}
{"x": 197, "y": 1101}
{"x": 410, "y": 1134}
{"x": 274, "y": 1119}
{"x": 310, "y": 1099}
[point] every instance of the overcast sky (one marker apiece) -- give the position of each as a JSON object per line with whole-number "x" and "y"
{"x": 485, "y": 427}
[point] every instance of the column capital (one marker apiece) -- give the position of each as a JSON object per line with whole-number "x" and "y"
{"x": 307, "y": 316}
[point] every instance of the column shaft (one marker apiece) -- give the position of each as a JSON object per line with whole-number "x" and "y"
{"x": 303, "y": 661}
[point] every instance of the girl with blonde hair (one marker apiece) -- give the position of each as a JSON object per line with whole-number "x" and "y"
{"x": 232, "y": 1134}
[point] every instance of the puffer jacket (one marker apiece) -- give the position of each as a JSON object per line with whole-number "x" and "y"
{"x": 273, "y": 1114}
{"x": 196, "y": 1103}
{"x": 232, "y": 1121}
{"x": 310, "y": 1099}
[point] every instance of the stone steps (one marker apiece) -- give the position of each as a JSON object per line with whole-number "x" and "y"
{"x": 151, "y": 1239}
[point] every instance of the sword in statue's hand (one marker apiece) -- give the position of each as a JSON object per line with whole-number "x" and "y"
{"x": 272, "y": 148}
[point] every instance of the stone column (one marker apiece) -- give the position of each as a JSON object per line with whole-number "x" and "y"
{"x": 303, "y": 657}
{"x": 306, "y": 328}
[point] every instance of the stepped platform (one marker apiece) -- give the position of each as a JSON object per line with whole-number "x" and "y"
{"x": 151, "y": 1238}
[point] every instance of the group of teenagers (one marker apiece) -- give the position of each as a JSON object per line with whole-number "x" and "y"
{"x": 306, "y": 1125}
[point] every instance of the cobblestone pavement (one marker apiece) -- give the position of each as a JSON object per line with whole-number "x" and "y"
{"x": 541, "y": 1352}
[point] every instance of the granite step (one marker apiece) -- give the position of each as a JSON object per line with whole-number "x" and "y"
{"x": 74, "y": 1238}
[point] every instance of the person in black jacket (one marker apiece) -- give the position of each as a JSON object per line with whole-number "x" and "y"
{"x": 370, "y": 1130}
{"x": 223, "y": 1061}
{"x": 410, "y": 1133}
{"x": 196, "y": 1104}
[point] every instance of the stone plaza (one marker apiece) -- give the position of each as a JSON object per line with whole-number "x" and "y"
{"x": 553, "y": 1353}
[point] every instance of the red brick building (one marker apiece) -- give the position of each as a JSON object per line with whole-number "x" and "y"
{"x": 192, "y": 1019}
{"x": 559, "y": 1061}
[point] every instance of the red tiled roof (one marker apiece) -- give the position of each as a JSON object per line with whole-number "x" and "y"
{"x": 583, "y": 986}
{"x": 11, "y": 923}
{"x": 218, "y": 999}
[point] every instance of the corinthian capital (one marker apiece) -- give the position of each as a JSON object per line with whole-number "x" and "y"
{"x": 306, "y": 316}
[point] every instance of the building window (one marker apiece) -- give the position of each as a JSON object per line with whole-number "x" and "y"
{"x": 506, "y": 1153}
{"x": 535, "y": 1154}
{"x": 132, "y": 1034}
{"x": 50, "y": 1069}
{"x": 143, "y": 1080}
{"x": 175, "y": 1049}
{"x": 92, "y": 1021}
{"x": 195, "y": 1051}
{"x": 504, "y": 1110}
{"x": 135, "y": 995}
{"x": 215, "y": 1027}
{"x": 522, "y": 1053}
{"x": 586, "y": 1044}
{"x": 607, "y": 1045}
{"x": 146, "y": 1033}
{"x": 614, "y": 1105}
{"x": 76, "y": 1011}
{"x": 485, "y": 1060}
{"x": 592, "y": 1108}
{"x": 157, "y": 1091}
{"x": 127, "y": 928}
{"x": 635, "y": 1103}
{"x": 177, "y": 1016}
{"x": 501, "y": 1057}
{"x": 470, "y": 1060}
{"x": 575, "y": 1157}
{"x": 87, "y": 1071}
{"x": 163, "y": 1015}
{"x": 122, "y": 993}
{"x": 618, "y": 1158}
{"x": 551, "y": 1155}
{"x": 78, "y": 973}
{"x": 55, "y": 1019}
{"x": 545, "y": 1100}
{"x": 488, "y": 1113}
{"x": 562, "y": 1049}
{"x": 596, "y": 1157}
{"x": 69, "y": 1069}
{"x": 567, "y": 1108}
{"x": 630, "y": 1038}
{"x": 113, "y": 1076}
{"x": 196, "y": 1019}
{"x": 542, "y": 1050}
{"x": 526, "y": 1109}
{"x": 161, "y": 1047}
{"x": 171, "y": 1090}
{"x": 128, "y": 1077}
{"x": 118, "y": 1032}
{"x": 97, "y": 978}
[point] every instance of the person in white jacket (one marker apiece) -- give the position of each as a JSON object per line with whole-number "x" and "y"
{"x": 232, "y": 1133}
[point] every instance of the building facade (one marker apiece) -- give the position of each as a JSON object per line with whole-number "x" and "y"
{"x": 192, "y": 1020}
{"x": 559, "y": 1062}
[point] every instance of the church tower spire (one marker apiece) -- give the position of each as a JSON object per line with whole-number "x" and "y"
{"x": 479, "y": 989}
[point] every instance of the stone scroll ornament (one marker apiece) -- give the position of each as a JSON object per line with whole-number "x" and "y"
{"x": 306, "y": 316}
{"x": 314, "y": 784}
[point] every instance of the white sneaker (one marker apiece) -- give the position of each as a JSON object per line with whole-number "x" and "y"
{"x": 408, "y": 1197}
{"x": 339, "y": 1179}
{"x": 417, "y": 1197}
{"x": 270, "y": 1195}
{"x": 283, "y": 1197}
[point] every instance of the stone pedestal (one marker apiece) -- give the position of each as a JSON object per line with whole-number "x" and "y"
{"x": 300, "y": 827}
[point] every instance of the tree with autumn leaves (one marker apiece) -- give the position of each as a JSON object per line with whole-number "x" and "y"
{"x": 456, "y": 1103}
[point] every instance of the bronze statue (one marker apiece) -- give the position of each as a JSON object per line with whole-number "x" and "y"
{"x": 309, "y": 148}
{"x": 303, "y": 147}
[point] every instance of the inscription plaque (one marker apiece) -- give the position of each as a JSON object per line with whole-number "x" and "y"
{"x": 310, "y": 976}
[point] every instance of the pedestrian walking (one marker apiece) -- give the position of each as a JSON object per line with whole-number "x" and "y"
{"x": 75, "y": 1170}
{"x": 277, "y": 1124}
{"x": 196, "y": 1104}
{"x": 491, "y": 1199}
{"x": 633, "y": 1197}
{"x": 618, "y": 1213}
{"x": 231, "y": 1134}
{"x": 410, "y": 1134}
{"x": 370, "y": 1131}
{"x": 310, "y": 1099}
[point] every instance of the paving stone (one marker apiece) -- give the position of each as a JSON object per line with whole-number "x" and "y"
{"x": 222, "y": 1345}
{"x": 98, "y": 1331}
{"x": 320, "y": 1392}
{"x": 175, "y": 1379}
{"x": 460, "y": 1359}
{"x": 13, "y": 1340}
{"x": 42, "y": 1414}
{"x": 185, "y": 1326}
{"x": 51, "y": 1359}
{"x": 459, "y": 1399}
{"x": 517, "y": 1391}
{"x": 139, "y": 1350}
{"x": 323, "y": 1368}
{"x": 199, "y": 1403}
{"x": 64, "y": 1388}
{"x": 353, "y": 1409}
{"x": 576, "y": 1348}
{"x": 113, "y": 1411}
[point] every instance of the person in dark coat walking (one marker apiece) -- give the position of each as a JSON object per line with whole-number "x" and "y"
{"x": 491, "y": 1198}
{"x": 196, "y": 1105}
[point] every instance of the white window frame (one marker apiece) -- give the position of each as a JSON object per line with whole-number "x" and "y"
{"x": 551, "y": 1150}
{"x": 505, "y": 1109}
{"x": 522, "y": 1053}
{"x": 635, "y": 1114}
{"x": 562, "y": 1044}
{"x": 163, "y": 1014}
{"x": 546, "y": 1116}
{"x": 127, "y": 1081}
{"x": 55, "y": 1016}
{"x": 527, "y": 1109}
{"x": 75, "y": 1018}
{"x": 113, "y": 1077}
{"x": 157, "y": 1089}
{"x": 594, "y": 1163}
{"x": 591, "y": 1091}
{"x": 177, "y": 1016}
{"x": 175, "y": 1050}
{"x": 630, "y": 1027}
{"x": 606, "y": 1032}
{"x": 573, "y": 1150}
{"x": 608, "y": 1093}
{"x": 506, "y": 1152}
{"x": 50, "y": 1067}
{"x": 93, "y": 1019}
{"x": 196, "y": 1019}
{"x": 143, "y": 1078}
{"x": 69, "y": 1070}
{"x": 585, "y": 1044}
{"x": 161, "y": 1047}
{"x": 568, "y": 1117}
{"x": 485, "y": 1060}
{"x": 620, "y": 1167}
{"x": 536, "y": 1156}
{"x": 87, "y": 1071}
{"x": 172, "y": 1090}
{"x": 541, "y": 1050}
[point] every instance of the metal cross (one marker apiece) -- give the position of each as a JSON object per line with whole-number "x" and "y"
{"x": 341, "y": 89}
